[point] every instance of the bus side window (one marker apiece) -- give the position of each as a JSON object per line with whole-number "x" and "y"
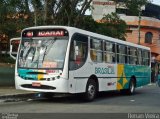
{"x": 132, "y": 55}
{"x": 117, "y": 53}
{"x": 121, "y": 54}
{"x": 126, "y": 54}
{"x": 78, "y": 51}
{"x": 139, "y": 56}
{"x": 149, "y": 60}
{"x": 96, "y": 51}
{"x": 146, "y": 58}
{"x": 109, "y": 52}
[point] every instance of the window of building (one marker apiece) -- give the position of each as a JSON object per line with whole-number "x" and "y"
{"x": 148, "y": 37}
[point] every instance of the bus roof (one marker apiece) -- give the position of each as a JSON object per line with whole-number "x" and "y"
{"x": 77, "y": 30}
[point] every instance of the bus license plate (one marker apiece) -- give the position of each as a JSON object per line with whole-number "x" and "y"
{"x": 35, "y": 84}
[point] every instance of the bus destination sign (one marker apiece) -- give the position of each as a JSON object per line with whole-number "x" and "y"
{"x": 45, "y": 33}
{"x": 50, "y": 33}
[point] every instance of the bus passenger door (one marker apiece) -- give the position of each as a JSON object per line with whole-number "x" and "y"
{"x": 77, "y": 58}
{"x": 72, "y": 67}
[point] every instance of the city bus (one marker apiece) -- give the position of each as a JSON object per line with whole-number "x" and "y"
{"x": 68, "y": 60}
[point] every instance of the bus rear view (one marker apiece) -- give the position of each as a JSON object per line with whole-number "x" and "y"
{"x": 41, "y": 60}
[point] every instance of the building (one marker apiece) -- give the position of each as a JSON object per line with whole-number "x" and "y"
{"x": 143, "y": 29}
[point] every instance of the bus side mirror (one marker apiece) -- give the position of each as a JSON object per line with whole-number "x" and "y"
{"x": 14, "y": 44}
{"x": 10, "y": 52}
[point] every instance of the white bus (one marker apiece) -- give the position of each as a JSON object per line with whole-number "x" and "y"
{"x": 60, "y": 59}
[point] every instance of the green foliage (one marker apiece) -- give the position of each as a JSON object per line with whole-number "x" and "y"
{"x": 111, "y": 25}
{"x": 6, "y": 59}
{"x": 41, "y": 12}
{"x": 134, "y": 6}
{"x": 60, "y": 12}
{"x": 10, "y": 20}
{"x": 89, "y": 24}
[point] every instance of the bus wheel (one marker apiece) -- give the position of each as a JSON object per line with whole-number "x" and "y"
{"x": 91, "y": 90}
{"x": 131, "y": 88}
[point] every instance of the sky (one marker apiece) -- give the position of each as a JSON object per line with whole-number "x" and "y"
{"x": 156, "y": 2}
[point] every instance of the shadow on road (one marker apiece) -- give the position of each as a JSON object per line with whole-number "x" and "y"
{"x": 68, "y": 99}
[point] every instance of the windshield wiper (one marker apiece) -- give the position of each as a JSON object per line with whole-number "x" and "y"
{"x": 50, "y": 45}
{"x": 47, "y": 46}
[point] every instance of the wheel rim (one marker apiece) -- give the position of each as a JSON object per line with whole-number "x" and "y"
{"x": 91, "y": 91}
{"x": 132, "y": 87}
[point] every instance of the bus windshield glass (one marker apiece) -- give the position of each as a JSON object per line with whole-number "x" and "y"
{"x": 42, "y": 52}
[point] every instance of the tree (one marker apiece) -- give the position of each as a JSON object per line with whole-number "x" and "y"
{"x": 13, "y": 18}
{"x": 85, "y": 5}
{"x": 37, "y": 12}
{"x": 111, "y": 25}
{"x": 89, "y": 24}
{"x": 60, "y": 12}
{"x": 134, "y": 6}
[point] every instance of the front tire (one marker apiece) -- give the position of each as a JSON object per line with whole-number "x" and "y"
{"x": 91, "y": 90}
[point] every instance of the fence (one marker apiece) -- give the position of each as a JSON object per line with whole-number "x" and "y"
{"x": 7, "y": 74}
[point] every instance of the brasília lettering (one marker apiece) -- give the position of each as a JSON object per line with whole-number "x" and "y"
{"x": 107, "y": 70}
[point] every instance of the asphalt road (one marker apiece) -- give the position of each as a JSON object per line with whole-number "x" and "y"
{"x": 145, "y": 100}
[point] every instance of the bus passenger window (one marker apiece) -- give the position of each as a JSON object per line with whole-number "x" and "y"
{"x": 126, "y": 55}
{"x": 132, "y": 55}
{"x": 109, "y": 52}
{"x": 96, "y": 51}
{"x": 139, "y": 56}
{"x": 93, "y": 55}
{"x": 146, "y": 58}
{"x": 120, "y": 54}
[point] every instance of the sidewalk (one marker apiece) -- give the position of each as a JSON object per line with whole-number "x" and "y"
{"x": 11, "y": 92}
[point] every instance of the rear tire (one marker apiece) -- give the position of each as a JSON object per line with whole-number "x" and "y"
{"x": 132, "y": 86}
{"x": 91, "y": 90}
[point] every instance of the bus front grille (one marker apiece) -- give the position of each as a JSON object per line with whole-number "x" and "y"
{"x": 38, "y": 87}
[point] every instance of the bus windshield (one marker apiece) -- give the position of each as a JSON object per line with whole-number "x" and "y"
{"x": 42, "y": 52}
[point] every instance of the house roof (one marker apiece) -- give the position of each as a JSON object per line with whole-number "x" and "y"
{"x": 152, "y": 10}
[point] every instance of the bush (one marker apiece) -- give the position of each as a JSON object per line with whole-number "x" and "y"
{"x": 5, "y": 58}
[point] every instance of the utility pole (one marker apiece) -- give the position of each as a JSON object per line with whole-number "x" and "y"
{"x": 139, "y": 23}
{"x": 139, "y": 27}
